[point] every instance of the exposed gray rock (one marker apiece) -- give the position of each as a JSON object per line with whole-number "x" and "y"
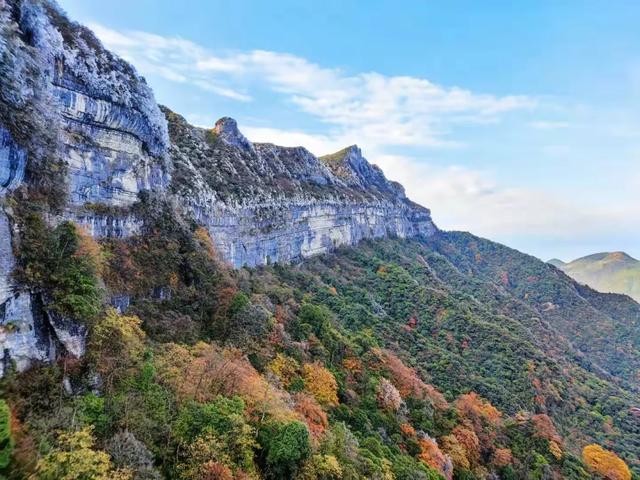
{"x": 69, "y": 333}
{"x": 120, "y": 302}
{"x": 24, "y": 337}
{"x": 227, "y": 130}
{"x": 27, "y": 332}
{"x": 12, "y": 163}
{"x": 264, "y": 203}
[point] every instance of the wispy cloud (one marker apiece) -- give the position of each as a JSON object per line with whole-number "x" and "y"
{"x": 373, "y": 108}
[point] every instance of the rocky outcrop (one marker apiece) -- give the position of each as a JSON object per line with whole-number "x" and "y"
{"x": 69, "y": 107}
{"x": 263, "y": 203}
{"x": 28, "y": 331}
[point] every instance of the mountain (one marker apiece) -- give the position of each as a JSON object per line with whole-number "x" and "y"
{"x": 81, "y": 131}
{"x": 179, "y": 302}
{"x": 556, "y": 262}
{"x": 614, "y": 272}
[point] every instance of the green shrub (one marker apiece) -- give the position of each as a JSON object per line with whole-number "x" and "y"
{"x": 6, "y": 440}
{"x": 286, "y": 446}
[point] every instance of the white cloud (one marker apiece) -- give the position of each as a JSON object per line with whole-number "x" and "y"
{"x": 315, "y": 143}
{"x": 376, "y": 109}
{"x": 466, "y": 199}
{"x": 172, "y": 58}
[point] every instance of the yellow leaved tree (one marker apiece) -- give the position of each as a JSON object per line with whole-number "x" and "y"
{"x": 320, "y": 383}
{"x": 605, "y": 463}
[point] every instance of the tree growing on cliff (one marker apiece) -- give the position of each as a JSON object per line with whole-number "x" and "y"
{"x": 6, "y": 440}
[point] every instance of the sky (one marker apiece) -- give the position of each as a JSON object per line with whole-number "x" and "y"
{"x": 517, "y": 121}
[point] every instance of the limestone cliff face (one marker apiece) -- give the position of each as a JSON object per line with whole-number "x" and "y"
{"x": 264, "y": 203}
{"x": 68, "y": 107}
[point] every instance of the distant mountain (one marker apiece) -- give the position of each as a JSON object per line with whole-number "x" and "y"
{"x": 609, "y": 272}
{"x": 556, "y": 262}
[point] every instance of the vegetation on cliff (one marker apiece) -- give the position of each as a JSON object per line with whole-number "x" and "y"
{"x": 396, "y": 359}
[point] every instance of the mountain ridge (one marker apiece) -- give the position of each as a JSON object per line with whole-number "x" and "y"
{"x": 614, "y": 272}
{"x": 91, "y": 140}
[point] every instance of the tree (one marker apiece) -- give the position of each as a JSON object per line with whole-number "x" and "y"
{"x": 555, "y": 450}
{"x": 605, "y": 463}
{"x": 482, "y": 417}
{"x": 543, "y": 427}
{"x": 407, "y": 381}
{"x": 456, "y": 451}
{"x": 468, "y": 439}
{"x": 117, "y": 344}
{"x": 431, "y": 455}
{"x": 223, "y": 420}
{"x": 206, "y": 458}
{"x": 388, "y": 396}
{"x": 61, "y": 263}
{"x": 405, "y": 467}
{"x": 285, "y": 368}
{"x": 204, "y": 371}
{"x": 315, "y": 418}
{"x": 501, "y": 457}
{"x": 320, "y": 383}
{"x": 75, "y": 459}
{"x": 321, "y": 467}
{"x": 6, "y": 439}
{"x": 287, "y": 446}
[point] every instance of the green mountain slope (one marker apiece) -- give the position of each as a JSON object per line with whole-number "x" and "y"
{"x": 614, "y": 272}
{"x": 475, "y": 315}
{"x": 447, "y": 357}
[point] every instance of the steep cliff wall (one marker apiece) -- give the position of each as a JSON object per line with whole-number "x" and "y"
{"x": 264, "y": 203}
{"x": 80, "y": 129}
{"x": 78, "y": 126}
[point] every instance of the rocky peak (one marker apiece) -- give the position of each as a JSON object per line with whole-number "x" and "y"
{"x": 227, "y": 130}
{"x": 356, "y": 171}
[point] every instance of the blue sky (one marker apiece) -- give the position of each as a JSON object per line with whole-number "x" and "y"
{"x": 517, "y": 121}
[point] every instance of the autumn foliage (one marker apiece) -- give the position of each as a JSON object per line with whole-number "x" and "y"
{"x": 431, "y": 455}
{"x": 456, "y": 451}
{"x": 468, "y": 440}
{"x": 284, "y": 368}
{"x": 605, "y": 463}
{"x": 312, "y": 413}
{"x": 543, "y": 427}
{"x": 320, "y": 383}
{"x": 501, "y": 457}
{"x": 407, "y": 381}
{"x": 204, "y": 371}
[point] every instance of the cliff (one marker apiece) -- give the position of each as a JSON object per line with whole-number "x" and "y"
{"x": 81, "y": 132}
{"x": 263, "y": 203}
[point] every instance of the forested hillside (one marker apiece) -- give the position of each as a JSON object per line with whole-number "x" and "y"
{"x": 606, "y": 272}
{"x": 401, "y": 359}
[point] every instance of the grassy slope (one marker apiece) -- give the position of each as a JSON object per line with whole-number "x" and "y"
{"x": 607, "y": 272}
